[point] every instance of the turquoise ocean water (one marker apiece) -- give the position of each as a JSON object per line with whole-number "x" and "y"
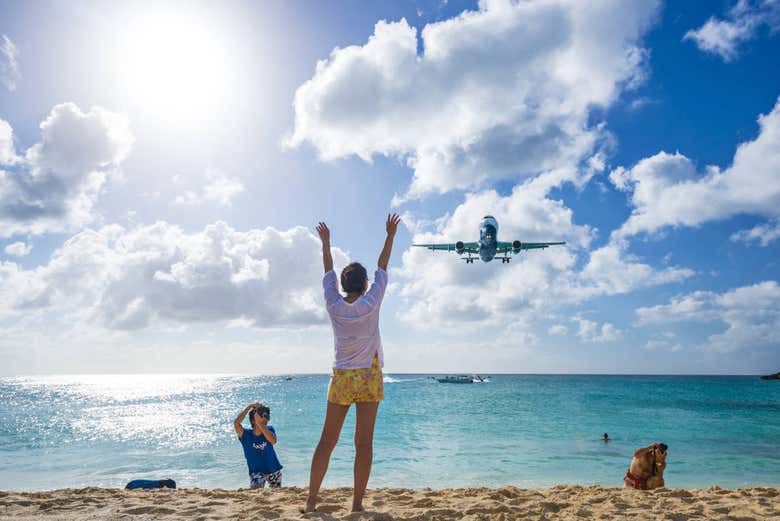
{"x": 526, "y": 430}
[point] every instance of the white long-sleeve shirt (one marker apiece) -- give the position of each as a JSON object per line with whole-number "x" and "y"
{"x": 356, "y": 325}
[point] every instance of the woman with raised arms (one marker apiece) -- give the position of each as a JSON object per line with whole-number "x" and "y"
{"x": 357, "y": 364}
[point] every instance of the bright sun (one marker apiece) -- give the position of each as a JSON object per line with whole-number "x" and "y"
{"x": 173, "y": 63}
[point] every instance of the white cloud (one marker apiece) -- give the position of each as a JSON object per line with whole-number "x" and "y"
{"x": 439, "y": 291}
{"x": 7, "y": 152}
{"x": 590, "y": 331}
{"x": 502, "y": 92}
{"x": 18, "y": 249}
{"x": 642, "y": 102}
{"x": 612, "y": 270}
{"x": 558, "y": 329}
{"x": 751, "y": 314}
{"x": 667, "y": 190}
{"x": 219, "y": 189}
{"x": 662, "y": 345}
{"x": 723, "y": 37}
{"x": 54, "y": 185}
{"x": 9, "y": 63}
{"x": 765, "y": 233}
{"x": 130, "y": 279}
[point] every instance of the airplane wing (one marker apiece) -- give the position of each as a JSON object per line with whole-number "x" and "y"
{"x": 468, "y": 247}
{"x": 507, "y": 247}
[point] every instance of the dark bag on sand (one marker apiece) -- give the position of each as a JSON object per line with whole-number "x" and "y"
{"x": 148, "y": 484}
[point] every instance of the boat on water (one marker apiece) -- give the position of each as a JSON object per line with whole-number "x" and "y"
{"x": 460, "y": 379}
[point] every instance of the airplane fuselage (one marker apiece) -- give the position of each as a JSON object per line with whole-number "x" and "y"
{"x": 488, "y": 238}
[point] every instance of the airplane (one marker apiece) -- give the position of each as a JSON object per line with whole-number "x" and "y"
{"x": 488, "y": 245}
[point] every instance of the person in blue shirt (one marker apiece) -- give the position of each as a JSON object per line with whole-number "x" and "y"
{"x": 258, "y": 444}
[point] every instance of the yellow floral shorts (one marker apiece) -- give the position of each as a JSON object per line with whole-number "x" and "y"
{"x": 348, "y": 386}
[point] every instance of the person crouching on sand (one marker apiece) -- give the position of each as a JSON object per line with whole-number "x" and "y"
{"x": 358, "y": 361}
{"x": 258, "y": 443}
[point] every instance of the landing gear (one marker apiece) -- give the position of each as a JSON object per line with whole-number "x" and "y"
{"x": 505, "y": 259}
{"x": 469, "y": 259}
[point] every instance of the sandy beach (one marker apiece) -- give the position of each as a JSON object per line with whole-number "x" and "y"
{"x": 560, "y": 502}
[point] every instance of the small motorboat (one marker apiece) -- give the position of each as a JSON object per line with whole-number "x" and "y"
{"x": 456, "y": 379}
{"x": 461, "y": 379}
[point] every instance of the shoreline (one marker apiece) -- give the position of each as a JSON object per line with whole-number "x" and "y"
{"x": 558, "y": 502}
{"x": 392, "y": 373}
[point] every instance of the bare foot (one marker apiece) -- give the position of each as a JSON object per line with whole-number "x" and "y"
{"x": 358, "y": 508}
{"x": 310, "y": 507}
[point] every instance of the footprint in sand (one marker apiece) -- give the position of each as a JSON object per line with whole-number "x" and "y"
{"x": 518, "y": 501}
{"x": 553, "y": 507}
{"x": 47, "y": 506}
{"x": 486, "y": 511}
{"x": 148, "y": 510}
{"x": 500, "y": 495}
{"x": 403, "y": 499}
{"x": 368, "y": 514}
{"x": 327, "y": 508}
{"x": 678, "y": 516}
{"x": 675, "y": 493}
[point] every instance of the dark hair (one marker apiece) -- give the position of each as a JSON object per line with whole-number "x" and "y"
{"x": 353, "y": 278}
{"x": 262, "y": 410}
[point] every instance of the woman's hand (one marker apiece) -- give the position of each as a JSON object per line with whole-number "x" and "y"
{"x": 324, "y": 232}
{"x": 392, "y": 224}
{"x": 327, "y": 258}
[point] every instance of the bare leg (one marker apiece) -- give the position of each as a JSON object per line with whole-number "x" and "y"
{"x": 334, "y": 419}
{"x": 364, "y": 449}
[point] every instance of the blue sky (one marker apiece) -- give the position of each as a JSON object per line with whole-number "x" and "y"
{"x": 163, "y": 165}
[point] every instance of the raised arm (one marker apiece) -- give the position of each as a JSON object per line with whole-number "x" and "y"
{"x": 240, "y": 418}
{"x": 391, "y": 226}
{"x": 327, "y": 258}
{"x": 262, "y": 424}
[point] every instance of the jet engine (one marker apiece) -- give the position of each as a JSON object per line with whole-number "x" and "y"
{"x": 516, "y": 246}
{"x": 460, "y": 247}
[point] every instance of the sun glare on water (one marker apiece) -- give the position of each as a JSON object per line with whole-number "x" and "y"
{"x": 174, "y": 63}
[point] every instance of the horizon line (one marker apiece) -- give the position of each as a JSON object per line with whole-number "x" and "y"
{"x": 385, "y": 374}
